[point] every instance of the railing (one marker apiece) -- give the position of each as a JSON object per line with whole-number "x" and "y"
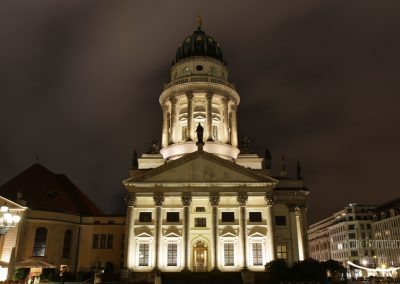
{"x": 199, "y": 79}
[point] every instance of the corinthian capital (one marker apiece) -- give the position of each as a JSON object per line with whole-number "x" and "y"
{"x": 242, "y": 198}
{"x": 269, "y": 200}
{"x": 214, "y": 198}
{"x": 186, "y": 198}
{"x": 158, "y": 198}
{"x": 130, "y": 199}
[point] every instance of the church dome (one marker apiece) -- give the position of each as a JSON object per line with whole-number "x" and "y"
{"x": 199, "y": 44}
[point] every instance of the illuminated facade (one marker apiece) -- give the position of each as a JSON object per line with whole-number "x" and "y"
{"x": 207, "y": 206}
{"x": 386, "y": 229}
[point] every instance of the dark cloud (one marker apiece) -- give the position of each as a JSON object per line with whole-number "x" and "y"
{"x": 318, "y": 80}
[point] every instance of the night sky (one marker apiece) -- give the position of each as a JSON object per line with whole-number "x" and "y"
{"x": 318, "y": 80}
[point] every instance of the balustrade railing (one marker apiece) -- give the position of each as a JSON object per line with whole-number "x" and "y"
{"x": 198, "y": 79}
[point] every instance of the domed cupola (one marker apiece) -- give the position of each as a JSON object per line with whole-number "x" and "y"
{"x": 199, "y": 44}
{"x": 199, "y": 93}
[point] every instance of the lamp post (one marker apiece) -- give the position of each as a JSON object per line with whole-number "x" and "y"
{"x": 8, "y": 220}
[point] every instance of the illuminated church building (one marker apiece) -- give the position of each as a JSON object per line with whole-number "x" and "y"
{"x": 205, "y": 205}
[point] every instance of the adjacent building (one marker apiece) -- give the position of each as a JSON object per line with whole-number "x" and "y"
{"x": 60, "y": 226}
{"x": 386, "y": 233}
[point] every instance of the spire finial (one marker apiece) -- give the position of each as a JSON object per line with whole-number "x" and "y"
{"x": 199, "y": 21}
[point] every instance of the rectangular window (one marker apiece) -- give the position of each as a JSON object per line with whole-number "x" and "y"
{"x": 352, "y": 235}
{"x": 173, "y": 217}
{"x": 110, "y": 238}
{"x": 255, "y": 217}
{"x": 143, "y": 254}
{"x": 95, "y": 241}
{"x": 200, "y": 222}
{"x": 281, "y": 252}
{"x": 229, "y": 254}
{"x": 172, "y": 254}
{"x": 103, "y": 238}
{"x": 200, "y": 209}
{"x": 257, "y": 254}
{"x": 280, "y": 220}
{"x": 352, "y": 227}
{"x": 354, "y": 253}
{"x": 145, "y": 217}
{"x": 228, "y": 217}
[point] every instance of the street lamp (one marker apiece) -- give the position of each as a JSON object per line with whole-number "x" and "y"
{"x": 8, "y": 220}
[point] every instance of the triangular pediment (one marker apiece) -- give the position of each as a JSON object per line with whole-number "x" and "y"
{"x": 143, "y": 232}
{"x": 228, "y": 232}
{"x": 202, "y": 167}
{"x": 258, "y": 231}
{"x": 172, "y": 232}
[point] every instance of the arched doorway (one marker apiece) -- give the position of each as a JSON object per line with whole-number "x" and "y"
{"x": 200, "y": 257}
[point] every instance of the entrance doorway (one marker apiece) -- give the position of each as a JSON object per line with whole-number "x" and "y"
{"x": 200, "y": 257}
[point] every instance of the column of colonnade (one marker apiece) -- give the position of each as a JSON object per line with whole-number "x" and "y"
{"x": 165, "y": 130}
{"x": 209, "y": 97}
{"x": 173, "y": 101}
{"x": 270, "y": 230}
{"x": 299, "y": 230}
{"x": 129, "y": 233}
{"x": 214, "y": 201}
{"x": 189, "y": 97}
{"x": 158, "y": 201}
{"x": 242, "y": 200}
{"x": 186, "y": 201}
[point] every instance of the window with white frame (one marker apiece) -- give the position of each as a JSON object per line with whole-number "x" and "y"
{"x": 257, "y": 254}
{"x": 172, "y": 254}
{"x": 143, "y": 254}
{"x": 229, "y": 254}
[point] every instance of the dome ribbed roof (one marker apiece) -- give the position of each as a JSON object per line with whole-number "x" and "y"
{"x": 199, "y": 44}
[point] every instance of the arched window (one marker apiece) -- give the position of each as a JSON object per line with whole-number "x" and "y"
{"x": 67, "y": 244}
{"x": 39, "y": 246}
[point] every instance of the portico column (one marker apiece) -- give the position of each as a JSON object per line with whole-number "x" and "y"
{"x": 186, "y": 201}
{"x": 129, "y": 233}
{"x": 209, "y": 116}
{"x": 299, "y": 229}
{"x": 158, "y": 201}
{"x": 225, "y": 102}
{"x": 190, "y": 116}
{"x": 242, "y": 200}
{"x": 234, "y": 138}
{"x": 214, "y": 200}
{"x": 165, "y": 132}
{"x": 173, "y": 119}
{"x": 270, "y": 234}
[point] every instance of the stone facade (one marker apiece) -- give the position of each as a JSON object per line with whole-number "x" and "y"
{"x": 200, "y": 204}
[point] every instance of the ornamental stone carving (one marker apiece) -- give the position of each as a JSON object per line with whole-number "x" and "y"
{"x": 296, "y": 207}
{"x": 186, "y": 198}
{"x": 214, "y": 198}
{"x": 189, "y": 95}
{"x": 158, "y": 198}
{"x": 269, "y": 200}
{"x": 242, "y": 198}
{"x": 130, "y": 199}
